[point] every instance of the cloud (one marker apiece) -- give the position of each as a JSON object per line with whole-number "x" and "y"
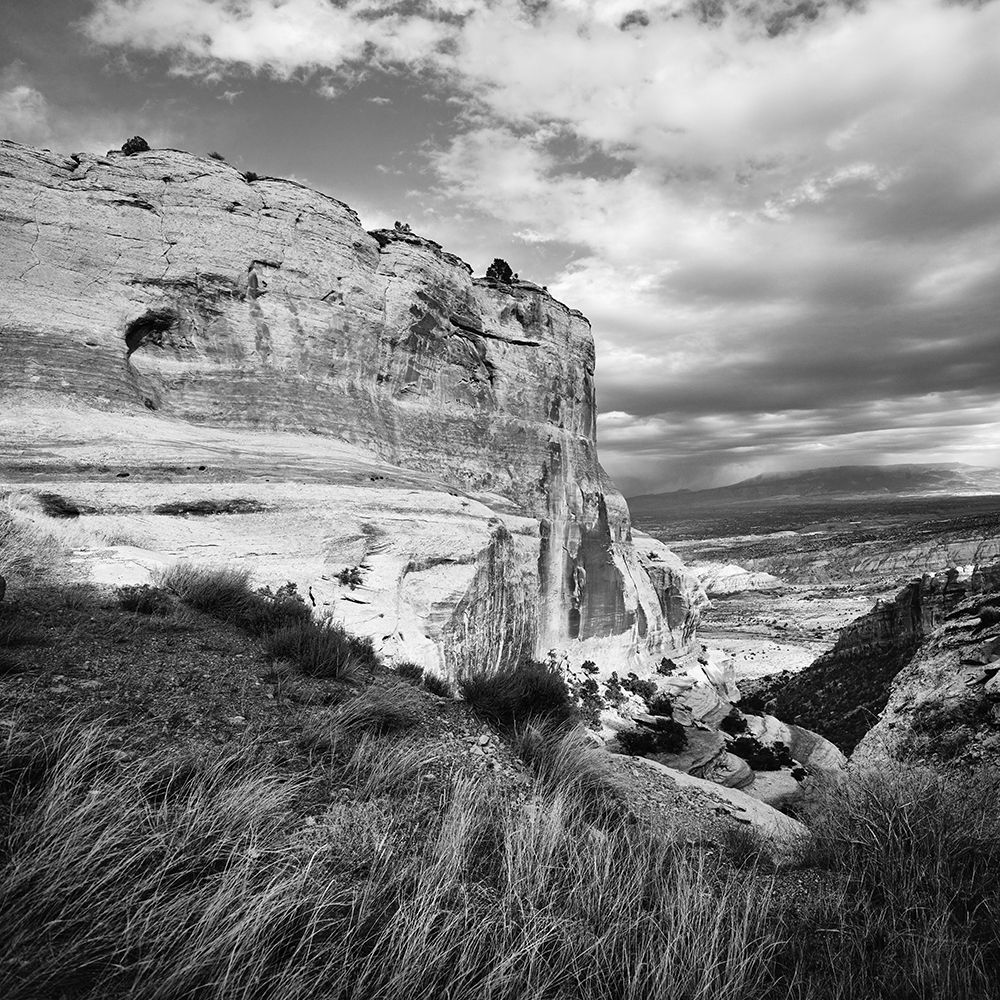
{"x": 783, "y": 218}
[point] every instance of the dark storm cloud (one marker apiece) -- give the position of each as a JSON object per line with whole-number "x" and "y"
{"x": 783, "y": 218}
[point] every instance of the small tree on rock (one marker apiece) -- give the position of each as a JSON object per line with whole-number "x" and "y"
{"x": 135, "y": 145}
{"x": 500, "y": 271}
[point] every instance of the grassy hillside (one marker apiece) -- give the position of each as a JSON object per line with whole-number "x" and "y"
{"x": 189, "y": 808}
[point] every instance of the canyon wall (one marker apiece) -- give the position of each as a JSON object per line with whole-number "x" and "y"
{"x": 190, "y": 300}
{"x": 841, "y": 694}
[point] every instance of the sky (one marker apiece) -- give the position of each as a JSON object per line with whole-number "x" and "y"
{"x": 782, "y": 217}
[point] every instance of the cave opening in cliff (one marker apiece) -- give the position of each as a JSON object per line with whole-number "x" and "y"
{"x": 148, "y": 328}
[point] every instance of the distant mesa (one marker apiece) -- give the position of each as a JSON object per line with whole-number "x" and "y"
{"x": 841, "y": 481}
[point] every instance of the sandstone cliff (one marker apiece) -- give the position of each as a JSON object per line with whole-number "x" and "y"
{"x": 169, "y": 329}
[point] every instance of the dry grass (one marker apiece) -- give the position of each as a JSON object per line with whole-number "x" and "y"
{"x": 194, "y": 876}
{"x": 33, "y": 548}
{"x": 323, "y": 649}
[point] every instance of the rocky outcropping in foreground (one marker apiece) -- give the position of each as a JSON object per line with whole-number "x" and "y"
{"x": 173, "y": 329}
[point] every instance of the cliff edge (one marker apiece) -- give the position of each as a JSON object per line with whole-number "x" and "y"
{"x": 238, "y": 367}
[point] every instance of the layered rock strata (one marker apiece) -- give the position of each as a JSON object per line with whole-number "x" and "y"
{"x": 170, "y": 292}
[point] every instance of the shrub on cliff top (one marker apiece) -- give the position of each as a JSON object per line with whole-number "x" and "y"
{"x": 500, "y": 271}
{"x": 513, "y": 696}
{"x": 135, "y": 145}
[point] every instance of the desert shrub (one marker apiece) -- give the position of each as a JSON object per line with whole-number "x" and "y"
{"x": 440, "y": 686}
{"x": 661, "y": 704}
{"x": 135, "y": 145}
{"x": 225, "y": 593}
{"x": 514, "y": 696}
{"x": 614, "y": 693}
{"x": 216, "y": 156}
{"x": 500, "y": 271}
{"x": 145, "y": 599}
{"x": 350, "y": 576}
{"x": 411, "y": 672}
{"x": 760, "y": 756}
{"x": 646, "y": 690}
{"x": 222, "y": 592}
{"x": 207, "y": 508}
{"x": 380, "y": 710}
{"x": 250, "y": 176}
{"x": 668, "y": 737}
{"x": 591, "y": 703}
{"x": 734, "y": 723}
{"x": 55, "y": 505}
{"x": 323, "y": 649}
{"x": 270, "y": 610}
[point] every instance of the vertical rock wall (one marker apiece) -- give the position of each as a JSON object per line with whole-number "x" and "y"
{"x": 168, "y": 282}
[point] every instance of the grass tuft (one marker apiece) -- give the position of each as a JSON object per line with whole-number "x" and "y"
{"x": 323, "y": 649}
{"x": 516, "y": 696}
{"x": 380, "y": 711}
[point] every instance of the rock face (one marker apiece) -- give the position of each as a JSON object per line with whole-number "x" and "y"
{"x": 168, "y": 289}
{"x": 841, "y": 694}
{"x": 944, "y": 705}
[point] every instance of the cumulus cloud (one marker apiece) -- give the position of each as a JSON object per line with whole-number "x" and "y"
{"x": 783, "y": 218}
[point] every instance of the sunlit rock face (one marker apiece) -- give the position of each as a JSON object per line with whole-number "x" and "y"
{"x": 169, "y": 285}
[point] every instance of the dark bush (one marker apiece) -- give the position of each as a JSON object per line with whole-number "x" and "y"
{"x": 268, "y": 611}
{"x": 145, "y": 600}
{"x": 206, "y": 508}
{"x": 513, "y": 696}
{"x": 614, "y": 693}
{"x": 661, "y": 705}
{"x": 350, "y": 576}
{"x": 734, "y": 723}
{"x": 410, "y": 671}
{"x": 644, "y": 689}
{"x": 500, "y": 271}
{"x": 759, "y": 756}
{"x": 55, "y": 505}
{"x": 225, "y": 594}
{"x": 323, "y": 649}
{"x": 135, "y": 145}
{"x": 249, "y": 176}
{"x": 591, "y": 702}
{"x": 438, "y": 685}
{"x": 668, "y": 737}
{"x": 217, "y": 156}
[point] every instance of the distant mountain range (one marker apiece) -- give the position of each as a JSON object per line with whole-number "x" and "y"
{"x": 839, "y": 481}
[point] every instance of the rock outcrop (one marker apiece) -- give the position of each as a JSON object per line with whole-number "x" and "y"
{"x": 164, "y": 319}
{"x": 944, "y": 704}
{"x": 841, "y": 694}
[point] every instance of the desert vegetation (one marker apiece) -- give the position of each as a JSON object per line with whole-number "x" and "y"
{"x": 220, "y": 876}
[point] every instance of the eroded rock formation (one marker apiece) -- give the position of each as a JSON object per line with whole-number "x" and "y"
{"x": 944, "y": 704}
{"x": 169, "y": 290}
{"x": 841, "y": 694}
